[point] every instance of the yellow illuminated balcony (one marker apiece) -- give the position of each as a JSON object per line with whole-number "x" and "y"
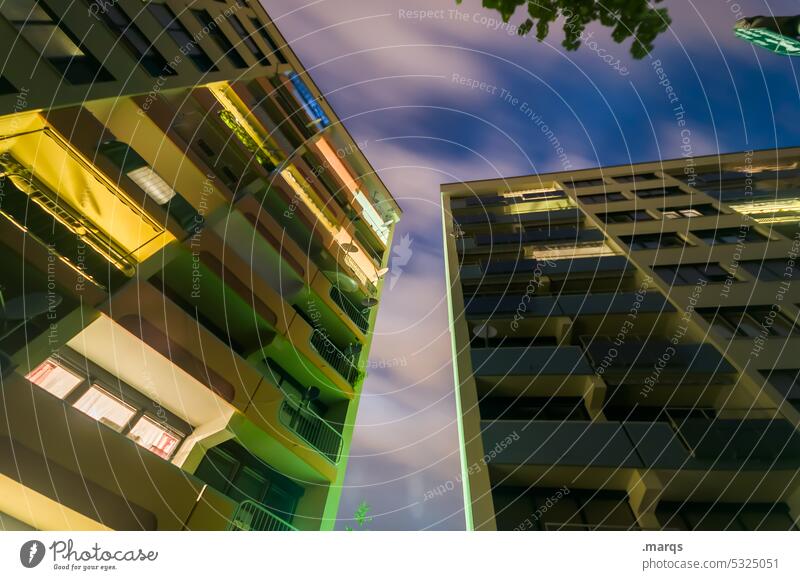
{"x": 238, "y": 117}
{"x": 40, "y": 162}
{"x": 770, "y": 211}
{"x": 358, "y": 199}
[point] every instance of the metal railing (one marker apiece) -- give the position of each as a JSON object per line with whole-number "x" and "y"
{"x": 360, "y": 316}
{"x": 311, "y": 428}
{"x": 340, "y": 362}
{"x": 252, "y": 516}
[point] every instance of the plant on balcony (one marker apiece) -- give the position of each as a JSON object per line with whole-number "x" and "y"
{"x": 247, "y": 141}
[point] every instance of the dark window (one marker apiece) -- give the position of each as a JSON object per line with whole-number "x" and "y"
{"x": 634, "y": 178}
{"x": 751, "y": 321}
{"x": 7, "y": 87}
{"x": 562, "y": 509}
{"x": 718, "y": 516}
{"x": 641, "y": 413}
{"x": 262, "y": 30}
{"x": 660, "y": 192}
{"x": 42, "y": 29}
{"x": 237, "y": 25}
{"x": 219, "y": 38}
{"x": 787, "y": 383}
{"x": 534, "y": 408}
{"x": 653, "y": 241}
{"x": 602, "y": 197}
{"x": 729, "y": 235}
{"x": 177, "y": 31}
{"x": 587, "y": 183}
{"x": 137, "y": 43}
{"x": 691, "y": 211}
{"x": 769, "y": 270}
{"x": 692, "y": 273}
{"x": 624, "y": 217}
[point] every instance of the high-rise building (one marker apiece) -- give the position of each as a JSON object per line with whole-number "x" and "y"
{"x": 193, "y": 249}
{"x": 625, "y": 344}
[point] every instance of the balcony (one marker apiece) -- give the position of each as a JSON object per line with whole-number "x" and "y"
{"x": 733, "y": 444}
{"x": 640, "y": 356}
{"x": 311, "y": 428}
{"x": 531, "y": 361}
{"x": 252, "y": 516}
{"x": 550, "y": 443}
{"x": 359, "y": 315}
{"x": 567, "y": 305}
{"x": 692, "y": 444}
{"x": 340, "y": 362}
{"x": 80, "y": 475}
{"x": 70, "y": 194}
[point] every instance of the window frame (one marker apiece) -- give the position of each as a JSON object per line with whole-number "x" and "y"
{"x": 94, "y": 376}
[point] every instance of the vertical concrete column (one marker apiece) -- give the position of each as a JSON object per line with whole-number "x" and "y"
{"x": 644, "y": 489}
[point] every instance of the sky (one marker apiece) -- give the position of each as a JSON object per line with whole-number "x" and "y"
{"x": 458, "y": 96}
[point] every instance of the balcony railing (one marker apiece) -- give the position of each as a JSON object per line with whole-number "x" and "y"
{"x": 312, "y": 429}
{"x": 340, "y": 362}
{"x": 252, "y": 516}
{"x": 360, "y": 316}
{"x": 350, "y": 262}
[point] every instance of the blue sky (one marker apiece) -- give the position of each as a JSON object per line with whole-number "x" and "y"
{"x": 404, "y": 88}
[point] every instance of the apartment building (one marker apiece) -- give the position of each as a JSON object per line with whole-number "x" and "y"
{"x": 193, "y": 251}
{"x": 625, "y": 345}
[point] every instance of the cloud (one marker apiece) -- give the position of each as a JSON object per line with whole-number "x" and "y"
{"x": 395, "y": 81}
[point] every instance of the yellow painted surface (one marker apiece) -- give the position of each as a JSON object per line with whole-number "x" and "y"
{"x": 48, "y": 156}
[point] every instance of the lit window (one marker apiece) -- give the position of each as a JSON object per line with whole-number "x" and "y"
{"x": 105, "y": 408}
{"x": 154, "y": 438}
{"x": 152, "y": 184}
{"x": 54, "y": 378}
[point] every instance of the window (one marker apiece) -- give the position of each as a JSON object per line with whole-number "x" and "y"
{"x": 88, "y": 388}
{"x": 211, "y": 27}
{"x": 787, "y": 383}
{"x": 237, "y": 25}
{"x": 624, "y": 217}
{"x": 602, "y": 197}
{"x": 672, "y": 213}
{"x": 587, "y": 183}
{"x": 752, "y": 321}
{"x": 660, "y": 192}
{"x": 105, "y": 408}
{"x": 181, "y": 36}
{"x": 653, "y": 241}
{"x": 634, "y": 178}
{"x": 7, "y": 87}
{"x": 730, "y": 235}
{"x": 769, "y": 270}
{"x": 718, "y": 516}
{"x": 692, "y": 273}
{"x": 154, "y": 437}
{"x": 54, "y": 378}
{"x": 42, "y": 29}
{"x": 137, "y": 43}
{"x": 262, "y": 30}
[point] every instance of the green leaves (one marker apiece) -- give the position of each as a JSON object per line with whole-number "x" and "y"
{"x": 361, "y": 516}
{"x": 629, "y": 18}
